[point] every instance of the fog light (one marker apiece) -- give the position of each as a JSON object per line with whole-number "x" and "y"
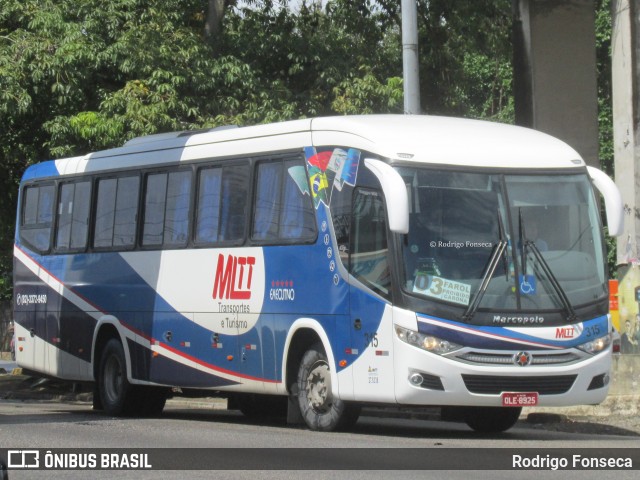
{"x": 416, "y": 379}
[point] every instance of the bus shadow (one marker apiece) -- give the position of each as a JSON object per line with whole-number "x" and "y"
{"x": 411, "y": 427}
{"x": 393, "y": 426}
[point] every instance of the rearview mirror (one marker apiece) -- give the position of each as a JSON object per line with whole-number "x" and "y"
{"x": 612, "y": 200}
{"x": 395, "y": 194}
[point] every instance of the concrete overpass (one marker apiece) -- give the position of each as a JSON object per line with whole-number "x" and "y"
{"x": 556, "y": 91}
{"x": 556, "y": 88}
{"x": 555, "y": 82}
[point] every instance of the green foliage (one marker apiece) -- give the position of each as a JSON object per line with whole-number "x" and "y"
{"x": 605, "y": 108}
{"x": 362, "y": 95}
{"x": 603, "y": 59}
{"x": 82, "y": 75}
{"x": 466, "y": 49}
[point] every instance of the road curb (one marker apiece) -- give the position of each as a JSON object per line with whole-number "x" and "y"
{"x": 613, "y": 404}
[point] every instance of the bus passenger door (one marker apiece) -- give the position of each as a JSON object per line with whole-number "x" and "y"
{"x": 371, "y": 324}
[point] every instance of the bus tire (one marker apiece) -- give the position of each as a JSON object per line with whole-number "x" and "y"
{"x": 491, "y": 419}
{"x": 117, "y": 395}
{"x": 319, "y": 409}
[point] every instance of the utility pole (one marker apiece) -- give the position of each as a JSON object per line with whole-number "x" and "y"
{"x": 410, "y": 74}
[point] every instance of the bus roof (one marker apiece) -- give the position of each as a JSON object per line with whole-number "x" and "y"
{"x": 453, "y": 141}
{"x": 413, "y": 138}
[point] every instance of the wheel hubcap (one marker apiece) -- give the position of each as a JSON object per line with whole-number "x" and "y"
{"x": 319, "y": 387}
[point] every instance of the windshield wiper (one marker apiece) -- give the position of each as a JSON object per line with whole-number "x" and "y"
{"x": 498, "y": 252}
{"x": 553, "y": 280}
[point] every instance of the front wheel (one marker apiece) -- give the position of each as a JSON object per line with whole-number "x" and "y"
{"x": 319, "y": 409}
{"x": 491, "y": 419}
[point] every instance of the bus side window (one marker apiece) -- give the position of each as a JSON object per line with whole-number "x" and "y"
{"x": 166, "y": 209}
{"x": 154, "y": 209}
{"x": 221, "y": 204}
{"x": 208, "y": 205}
{"x": 235, "y": 195}
{"x": 116, "y": 212}
{"x": 267, "y": 201}
{"x": 283, "y": 209}
{"x": 298, "y": 219}
{"x": 176, "y": 222}
{"x": 37, "y": 216}
{"x": 369, "y": 253}
{"x": 73, "y": 216}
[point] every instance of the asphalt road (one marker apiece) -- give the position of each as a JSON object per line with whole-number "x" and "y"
{"x": 52, "y": 425}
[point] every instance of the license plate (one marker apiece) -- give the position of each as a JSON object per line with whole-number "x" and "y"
{"x": 519, "y": 399}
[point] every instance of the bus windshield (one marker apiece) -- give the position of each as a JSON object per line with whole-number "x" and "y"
{"x": 503, "y": 241}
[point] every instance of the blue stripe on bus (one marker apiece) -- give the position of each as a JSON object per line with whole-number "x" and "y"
{"x": 502, "y": 338}
{"x": 163, "y": 370}
{"x": 41, "y": 170}
{"x": 106, "y": 279}
{"x": 133, "y": 314}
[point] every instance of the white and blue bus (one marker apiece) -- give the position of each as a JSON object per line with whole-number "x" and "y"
{"x": 321, "y": 265}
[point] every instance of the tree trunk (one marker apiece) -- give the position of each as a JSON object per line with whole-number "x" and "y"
{"x": 213, "y": 25}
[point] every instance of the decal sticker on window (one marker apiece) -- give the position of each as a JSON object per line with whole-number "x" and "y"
{"x": 330, "y": 169}
{"x": 442, "y": 288}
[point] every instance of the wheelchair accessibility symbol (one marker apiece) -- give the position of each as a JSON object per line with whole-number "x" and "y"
{"x": 527, "y": 284}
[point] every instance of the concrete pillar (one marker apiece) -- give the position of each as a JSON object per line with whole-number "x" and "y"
{"x": 626, "y": 110}
{"x": 555, "y": 71}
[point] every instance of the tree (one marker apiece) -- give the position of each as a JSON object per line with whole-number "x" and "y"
{"x": 213, "y": 24}
{"x": 82, "y": 75}
{"x": 605, "y": 108}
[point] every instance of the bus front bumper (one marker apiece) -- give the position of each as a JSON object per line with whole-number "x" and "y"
{"x": 423, "y": 378}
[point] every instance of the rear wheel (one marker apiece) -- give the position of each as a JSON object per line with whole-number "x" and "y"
{"x": 491, "y": 419}
{"x": 319, "y": 409}
{"x": 116, "y": 393}
{"x": 117, "y": 396}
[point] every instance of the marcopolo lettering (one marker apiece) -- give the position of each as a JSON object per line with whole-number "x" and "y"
{"x": 518, "y": 319}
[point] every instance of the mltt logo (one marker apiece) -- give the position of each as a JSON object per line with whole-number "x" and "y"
{"x": 233, "y": 277}
{"x": 565, "y": 332}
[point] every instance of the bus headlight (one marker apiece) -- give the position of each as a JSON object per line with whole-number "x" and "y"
{"x": 597, "y": 345}
{"x": 426, "y": 342}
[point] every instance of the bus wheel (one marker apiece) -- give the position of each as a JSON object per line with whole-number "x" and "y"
{"x": 318, "y": 407}
{"x": 491, "y": 419}
{"x": 116, "y": 393}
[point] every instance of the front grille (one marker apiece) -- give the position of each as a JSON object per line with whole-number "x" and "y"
{"x": 494, "y": 385}
{"x": 485, "y": 358}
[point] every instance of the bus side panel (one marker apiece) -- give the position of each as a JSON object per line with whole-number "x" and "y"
{"x": 56, "y": 334}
